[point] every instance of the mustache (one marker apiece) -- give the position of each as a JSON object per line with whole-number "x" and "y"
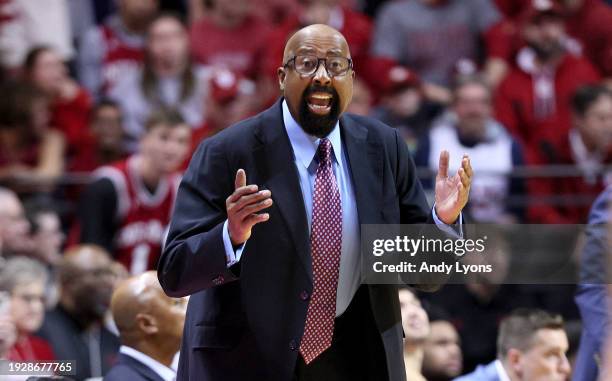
{"x": 320, "y": 89}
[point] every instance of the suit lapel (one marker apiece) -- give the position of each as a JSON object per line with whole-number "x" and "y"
{"x": 275, "y": 163}
{"x": 366, "y": 164}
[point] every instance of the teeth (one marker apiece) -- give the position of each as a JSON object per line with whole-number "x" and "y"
{"x": 319, "y": 96}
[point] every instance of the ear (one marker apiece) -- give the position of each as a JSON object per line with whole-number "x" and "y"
{"x": 282, "y": 75}
{"x": 514, "y": 359}
{"x": 147, "y": 323}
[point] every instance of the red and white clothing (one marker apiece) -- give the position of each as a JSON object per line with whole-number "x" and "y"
{"x": 109, "y": 53}
{"x": 119, "y": 212}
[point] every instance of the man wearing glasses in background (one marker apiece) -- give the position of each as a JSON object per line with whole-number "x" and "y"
{"x": 284, "y": 300}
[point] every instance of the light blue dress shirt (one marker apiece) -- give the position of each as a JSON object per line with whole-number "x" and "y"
{"x": 304, "y": 152}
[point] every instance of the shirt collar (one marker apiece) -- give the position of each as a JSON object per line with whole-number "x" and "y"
{"x": 304, "y": 145}
{"x": 167, "y": 374}
{"x": 501, "y": 372}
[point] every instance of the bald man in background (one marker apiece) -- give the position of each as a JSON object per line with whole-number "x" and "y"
{"x": 284, "y": 300}
{"x": 150, "y": 327}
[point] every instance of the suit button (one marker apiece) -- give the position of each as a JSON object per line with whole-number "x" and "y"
{"x": 293, "y": 345}
{"x": 304, "y": 295}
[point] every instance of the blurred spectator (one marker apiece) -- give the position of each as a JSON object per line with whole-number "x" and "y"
{"x": 416, "y": 329}
{"x": 150, "y": 326}
{"x": 25, "y": 279}
{"x": 354, "y": 26}
{"x": 588, "y": 145}
{"x": 361, "y": 103}
{"x": 403, "y": 106}
{"x": 168, "y": 79}
{"x": 30, "y": 152}
{"x": 45, "y": 231}
{"x": 14, "y": 227}
{"x": 69, "y": 104}
{"x": 106, "y": 138}
{"x": 442, "y": 350}
{"x": 74, "y": 328}
{"x": 127, "y": 208}
{"x": 32, "y": 23}
{"x": 8, "y": 331}
{"x": 230, "y": 37}
{"x": 531, "y": 346}
{"x": 114, "y": 50}
{"x": 470, "y": 129}
{"x": 430, "y": 36}
{"x": 228, "y": 103}
{"x": 533, "y": 100}
{"x": 592, "y": 295}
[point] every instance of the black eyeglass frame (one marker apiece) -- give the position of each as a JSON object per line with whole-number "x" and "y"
{"x": 292, "y": 59}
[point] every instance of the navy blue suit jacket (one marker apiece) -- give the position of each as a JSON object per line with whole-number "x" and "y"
{"x": 128, "y": 368}
{"x": 245, "y": 323}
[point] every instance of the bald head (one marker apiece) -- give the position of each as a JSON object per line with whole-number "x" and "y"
{"x": 146, "y": 317}
{"x": 84, "y": 258}
{"x": 315, "y": 32}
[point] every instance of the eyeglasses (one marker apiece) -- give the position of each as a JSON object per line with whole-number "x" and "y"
{"x": 308, "y": 65}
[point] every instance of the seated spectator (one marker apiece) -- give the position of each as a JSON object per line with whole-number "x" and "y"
{"x": 126, "y": 209}
{"x": 69, "y": 104}
{"x": 230, "y": 37}
{"x": 430, "y": 36}
{"x": 416, "y": 329}
{"x": 25, "y": 280}
{"x": 533, "y": 100}
{"x": 14, "y": 227}
{"x": 31, "y": 154}
{"x": 75, "y": 327}
{"x": 114, "y": 51}
{"x": 403, "y": 106}
{"x": 168, "y": 79}
{"x": 45, "y": 231}
{"x": 531, "y": 346}
{"x": 150, "y": 327}
{"x": 106, "y": 137}
{"x": 588, "y": 146}
{"x": 470, "y": 129}
{"x": 442, "y": 350}
{"x": 8, "y": 332}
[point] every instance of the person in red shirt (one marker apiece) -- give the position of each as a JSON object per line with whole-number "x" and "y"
{"x": 533, "y": 100}
{"x": 588, "y": 146}
{"x": 70, "y": 104}
{"x": 126, "y": 209}
{"x": 25, "y": 280}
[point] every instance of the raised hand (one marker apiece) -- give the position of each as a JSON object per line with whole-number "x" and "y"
{"x": 451, "y": 193}
{"x": 242, "y": 207}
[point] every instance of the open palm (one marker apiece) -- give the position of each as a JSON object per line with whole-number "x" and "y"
{"x": 451, "y": 193}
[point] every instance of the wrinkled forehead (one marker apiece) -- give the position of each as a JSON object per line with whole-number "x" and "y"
{"x": 321, "y": 44}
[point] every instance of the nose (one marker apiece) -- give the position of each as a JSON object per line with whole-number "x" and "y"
{"x": 565, "y": 367}
{"x": 321, "y": 77}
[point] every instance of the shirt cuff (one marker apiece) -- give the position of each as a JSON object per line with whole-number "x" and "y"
{"x": 455, "y": 230}
{"x": 232, "y": 257}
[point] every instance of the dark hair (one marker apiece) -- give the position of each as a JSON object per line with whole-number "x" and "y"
{"x": 168, "y": 117}
{"x": 32, "y": 56}
{"x": 16, "y": 105}
{"x": 435, "y": 312}
{"x": 35, "y": 207}
{"x": 149, "y": 80}
{"x": 586, "y": 95}
{"x": 102, "y": 103}
{"x": 466, "y": 80}
{"x": 518, "y": 329}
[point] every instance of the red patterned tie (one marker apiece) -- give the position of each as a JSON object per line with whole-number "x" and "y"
{"x": 325, "y": 246}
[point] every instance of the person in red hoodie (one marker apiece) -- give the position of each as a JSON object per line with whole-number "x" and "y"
{"x": 24, "y": 279}
{"x": 588, "y": 146}
{"x": 70, "y": 104}
{"x": 533, "y": 100}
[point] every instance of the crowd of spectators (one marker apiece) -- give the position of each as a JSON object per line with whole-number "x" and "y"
{"x": 104, "y": 101}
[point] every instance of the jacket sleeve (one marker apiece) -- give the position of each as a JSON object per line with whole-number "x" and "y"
{"x": 194, "y": 257}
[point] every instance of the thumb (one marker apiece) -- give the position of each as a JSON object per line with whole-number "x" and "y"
{"x": 240, "y": 179}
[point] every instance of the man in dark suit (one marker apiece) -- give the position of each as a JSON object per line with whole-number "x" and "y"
{"x": 284, "y": 301}
{"x": 150, "y": 325}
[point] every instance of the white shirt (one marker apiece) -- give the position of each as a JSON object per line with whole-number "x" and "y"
{"x": 167, "y": 374}
{"x": 501, "y": 372}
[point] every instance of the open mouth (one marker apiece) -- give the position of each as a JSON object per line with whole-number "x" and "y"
{"x": 319, "y": 103}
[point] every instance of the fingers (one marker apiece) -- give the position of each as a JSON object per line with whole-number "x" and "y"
{"x": 240, "y": 179}
{"x": 443, "y": 164}
{"x": 242, "y": 191}
{"x": 250, "y": 199}
{"x": 252, "y": 208}
{"x": 467, "y": 166}
{"x": 465, "y": 180}
{"x": 254, "y": 219}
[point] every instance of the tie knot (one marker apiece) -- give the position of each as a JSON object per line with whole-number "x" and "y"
{"x": 324, "y": 151}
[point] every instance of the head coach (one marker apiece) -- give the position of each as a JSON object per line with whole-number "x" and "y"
{"x": 265, "y": 235}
